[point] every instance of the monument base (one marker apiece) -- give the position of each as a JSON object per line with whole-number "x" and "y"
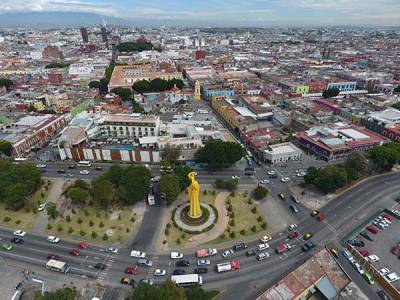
{"x": 184, "y": 222}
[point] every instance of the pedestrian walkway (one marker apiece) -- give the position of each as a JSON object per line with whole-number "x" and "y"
{"x": 219, "y": 227}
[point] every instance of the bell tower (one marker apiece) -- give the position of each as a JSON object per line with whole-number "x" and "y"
{"x": 197, "y": 90}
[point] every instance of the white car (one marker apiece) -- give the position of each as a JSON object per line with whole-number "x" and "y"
{"x": 262, "y": 246}
{"x": 159, "y": 272}
{"x": 212, "y": 251}
{"x": 373, "y": 258}
{"x": 84, "y": 172}
{"x": 203, "y": 262}
{"x": 176, "y": 255}
{"x": 53, "y": 239}
{"x": 392, "y": 277}
{"x": 41, "y": 166}
{"x": 235, "y": 177}
{"x": 41, "y": 206}
{"x": 19, "y": 233}
{"x": 265, "y": 238}
{"x": 384, "y": 271}
{"x": 155, "y": 179}
{"x": 292, "y": 226}
{"x": 271, "y": 173}
{"x": 358, "y": 268}
{"x": 138, "y": 254}
{"x": 264, "y": 181}
{"x": 285, "y": 179}
{"x": 227, "y": 253}
{"x": 112, "y": 250}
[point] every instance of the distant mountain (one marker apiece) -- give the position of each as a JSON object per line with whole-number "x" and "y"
{"x": 54, "y": 19}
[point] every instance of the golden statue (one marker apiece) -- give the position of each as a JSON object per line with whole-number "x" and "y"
{"x": 194, "y": 191}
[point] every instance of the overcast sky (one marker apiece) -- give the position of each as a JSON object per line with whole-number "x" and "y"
{"x": 228, "y": 12}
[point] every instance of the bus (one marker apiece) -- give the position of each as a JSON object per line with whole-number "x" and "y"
{"x": 187, "y": 280}
{"x": 58, "y": 266}
{"x": 84, "y": 163}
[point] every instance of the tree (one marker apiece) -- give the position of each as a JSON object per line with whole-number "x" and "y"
{"x": 182, "y": 172}
{"x": 385, "y": 156}
{"x": 312, "y": 174}
{"x": 5, "y": 147}
{"x": 135, "y": 184}
{"x": 102, "y": 192}
{"x": 94, "y": 84}
{"x": 115, "y": 174}
{"x": 167, "y": 291}
{"x": 230, "y": 184}
{"x": 15, "y": 196}
{"x": 171, "y": 153}
{"x": 141, "y": 86}
{"x": 79, "y": 183}
{"x": 219, "y": 153}
{"x": 169, "y": 185}
{"x": 355, "y": 165}
{"x": 103, "y": 86}
{"x": 260, "y": 192}
{"x": 78, "y": 195}
{"x": 329, "y": 93}
{"x": 197, "y": 293}
{"x": 7, "y": 83}
{"x": 331, "y": 178}
{"x": 60, "y": 294}
{"x": 52, "y": 211}
{"x": 56, "y": 65}
{"x": 178, "y": 82}
{"x": 397, "y": 89}
{"x": 134, "y": 47}
{"x": 125, "y": 94}
{"x": 159, "y": 85}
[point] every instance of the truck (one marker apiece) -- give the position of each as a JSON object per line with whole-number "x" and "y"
{"x": 151, "y": 200}
{"x": 282, "y": 248}
{"x": 206, "y": 252}
{"x": 227, "y": 266}
{"x": 138, "y": 254}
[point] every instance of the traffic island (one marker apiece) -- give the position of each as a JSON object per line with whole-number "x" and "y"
{"x": 185, "y": 223}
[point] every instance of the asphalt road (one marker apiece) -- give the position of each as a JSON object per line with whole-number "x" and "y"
{"x": 342, "y": 215}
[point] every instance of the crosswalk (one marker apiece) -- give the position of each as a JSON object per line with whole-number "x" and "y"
{"x": 101, "y": 276}
{"x": 150, "y": 271}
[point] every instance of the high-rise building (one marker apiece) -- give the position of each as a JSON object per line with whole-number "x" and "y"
{"x": 104, "y": 35}
{"x": 85, "y": 36}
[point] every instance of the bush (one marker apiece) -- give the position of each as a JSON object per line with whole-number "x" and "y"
{"x": 86, "y": 213}
{"x": 101, "y": 225}
{"x": 168, "y": 225}
{"x": 18, "y": 222}
{"x": 213, "y": 193}
{"x": 232, "y": 194}
{"x": 259, "y": 219}
{"x": 205, "y": 192}
{"x": 59, "y": 227}
{"x": 73, "y": 211}
{"x": 127, "y": 230}
{"x": 250, "y": 201}
{"x": 166, "y": 231}
{"x": 164, "y": 242}
{"x": 178, "y": 241}
{"x": 260, "y": 192}
{"x": 7, "y": 219}
{"x": 232, "y": 235}
{"x": 232, "y": 222}
{"x": 254, "y": 228}
{"x": 79, "y": 221}
{"x": 229, "y": 208}
{"x": 243, "y": 231}
{"x": 105, "y": 237}
{"x": 264, "y": 225}
{"x": 183, "y": 235}
{"x": 82, "y": 233}
{"x": 46, "y": 187}
{"x": 91, "y": 223}
{"x": 94, "y": 234}
{"x": 119, "y": 217}
{"x": 254, "y": 210}
{"x": 232, "y": 215}
{"x": 90, "y": 203}
{"x": 27, "y": 209}
{"x": 68, "y": 218}
{"x": 228, "y": 229}
{"x": 70, "y": 230}
{"x": 42, "y": 195}
{"x": 222, "y": 236}
{"x": 49, "y": 226}
{"x": 133, "y": 219}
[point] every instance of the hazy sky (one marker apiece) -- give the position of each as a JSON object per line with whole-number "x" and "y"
{"x": 229, "y": 12}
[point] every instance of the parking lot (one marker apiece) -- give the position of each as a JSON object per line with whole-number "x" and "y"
{"x": 381, "y": 246}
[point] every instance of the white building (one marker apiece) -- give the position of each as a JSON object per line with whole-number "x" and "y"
{"x": 282, "y": 152}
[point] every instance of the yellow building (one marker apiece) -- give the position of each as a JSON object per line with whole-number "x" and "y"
{"x": 197, "y": 90}
{"x": 39, "y": 106}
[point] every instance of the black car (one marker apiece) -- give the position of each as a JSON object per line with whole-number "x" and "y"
{"x": 239, "y": 247}
{"x": 251, "y": 252}
{"x": 200, "y": 270}
{"x": 17, "y": 240}
{"x": 365, "y": 235}
{"x": 71, "y": 167}
{"x": 308, "y": 246}
{"x": 383, "y": 295}
{"x": 98, "y": 168}
{"x": 356, "y": 243}
{"x": 100, "y": 266}
{"x": 179, "y": 272}
{"x": 182, "y": 263}
{"x": 61, "y": 171}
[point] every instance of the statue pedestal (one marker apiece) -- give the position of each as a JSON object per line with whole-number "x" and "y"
{"x": 203, "y": 223}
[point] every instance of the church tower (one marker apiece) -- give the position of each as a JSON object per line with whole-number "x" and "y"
{"x": 197, "y": 91}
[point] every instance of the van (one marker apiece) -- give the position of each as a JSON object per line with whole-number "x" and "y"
{"x": 144, "y": 262}
{"x": 294, "y": 208}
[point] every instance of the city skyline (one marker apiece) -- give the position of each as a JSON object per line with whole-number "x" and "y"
{"x": 224, "y": 13}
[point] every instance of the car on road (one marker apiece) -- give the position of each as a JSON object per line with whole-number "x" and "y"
{"x": 314, "y": 213}
{"x": 144, "y": 262}
{"x": 285, "y": 179}
{"x": 72, "y": 167}
{"x": 68, "y": 175}
{"x": 131, "y": 270}
{"x": 263, "y": 255}
{"x": 294, "y": 208}
{"x": 368, "y": 278}
{"x": 239, "y": 247}
{"x": 264, "y": 181}
{"x": 176, "y": 255}
{"x": 308, "y": 246}
{"x": 227, "y": 253}
{"x": 235, "y": 177}
{"x": 138, "y": 254}
{"x": 294, "y": 198}
{"x": 41, "y": 206}
{"x": 7, "y": 247}
{"x": 395, "y": 250}
{"x": 19, "y": 233}
{"x": 83, "y": 245}
{"x": 84, "y": 172}
{"x": 53, "y": 256}
{"x": 41, "y": 166}
{"x": 179, "y": 272}
{"x": 293, "y": 234}
{"x": 262, "y": 246}
{"x": 250, "y": 252}
{"x": 112, "y": 250}
{"x": 200, "y": 270}
{"x": 98, "y": 168}
{"x": 365, "y": 235}
{"x": 182, "y": 263}
{"x": 160, "y": 272}
{"x": 148, "y": 281}
{"x": 282, "y": 196}
{"x": 128, "y": 281}
{"x": 373, "y": 258}
{"x": 292, "y": 227}
{"x": 334, "y": 252}
{"x": 203, "y": 262}
{"x": 266, "y": 238}
{"x": 308, "y": 236}
{"x": 358, "y": 268}
{"x": 100, "y": 266}
{"x": 53, "y": 239}
{"x": 75, "y": 252}
{"x": 61, "y": 171}
{"x": 270, "y": 173}
{"x": 17, "y": 240}
{"x": 383, "y": 295}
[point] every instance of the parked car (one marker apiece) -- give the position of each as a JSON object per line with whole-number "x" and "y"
{"x": 364, "y": 253}
{"x": 384, "y": 271}
{"x": 308, "y": 236}
{"x": 282, "y": 196}
{"x": 263, "y": 255}
{"x": 308, "y": 246}
{"x": 356, "y": 243}
{"x": 179, "y": 272}
{"x": 200, "y": 270}
{"x": 144, "y": 262}
{"x": 285, "y": 179}
{"x": 182, "y": 263}
{"x": 372, "y": 229}
{"x": 203, "y": 262}
{"x": 7, "y": 247}
{"x": 240, "y": 246}
{"x": 100, "y": 266}
{"x": 382, "y": 294}
{"x": 112, "y": 250}
{"x": 392, "y": 277}
{"x": 250, "y": 252}
{"x": 131, "y": 270}
{"x": 159, "y": 272}
{"x": 262, "y": 246}
{"x": 227, "y": 253}
{"x": 395, "y": 250}
{"x": 292, "y": 227}
{"x": 373, "y": 258}
{"x": 293, "y": 234}
{"x": 176, "y": 255}
{"x": 365, "y": 235}
{"x": 294, "y": 208}
{"x": 294, "y": 198}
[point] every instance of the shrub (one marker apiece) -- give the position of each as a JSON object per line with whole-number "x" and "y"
{"x": 183, "y": 235}
{"x": 264, "y": 225}
{"x": 127, "y": 230}
{"x": 98, "y": 214}
{"x": 27, "y": 209}
{"x": 7, "y": 219}
{"x": 168, "y": 225}
{"x": 133, "y": 219}
{"x": 178, "y": 241}
{"x": 243, "y": 231}
{"x": 213, "y": 193}
{"x": 229, "y": 208}
{"x": 250, "y": 201}
{"x": 91, "y": 223}
{"x": 59, "y": 227}
{"x": 232, "y": 235}
{"x": 232, "y": 215}
{"x": 49, "y": 226}
{"x": 260, "y": 192}
{"x": 228, "y": 229}
{"x": 42, "y": 194}
{"x": 90, "y": 203}
{"x": 94, "y": 234}
{"x": 119, "y": 217}
{"x": 222, "y": 236}
{"x": 232, "y": 194}
{"x": 86, "y": 213}
{"x": 101, "y": 225}
{"x": 70, "y": 230}
{"x": 73, "y": 211}
{"x": 46, "y": 187}
{"x": 79, "y": 221}
{"x": 254, "y": 210}
{"x": 105, "y": 237}
{"x": 205, "y": 192}
{"x": 254, "y": 228}
{"x": 164, "y": 242}
{"x": 259, "y": 219}
{"x": 82, "y": 233}
{"x": 68, "y": 218}
{"x": 18, "y": 222}
{"x": 232, "y": 222}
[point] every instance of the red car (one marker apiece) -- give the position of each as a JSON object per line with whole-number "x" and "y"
{"x": 53, "y": 256}
{"x": 83, "y": 245}
{"x": 373, "y": 229}
{"x": 75, "y": 252}
{"x": 387, "y": 217}
{"x": 364, "y": 253}
{"x": 293, "y": 234}
{"x": 395, "y": 250}
{"x": 131, "y": 270}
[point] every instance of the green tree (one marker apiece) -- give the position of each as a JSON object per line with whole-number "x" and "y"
{"x": 56, "y": 65}
{"x": 159, "y": 85}
{"x": 94, "y": 84}
{"x": 229, "y": 185}
{"x": 141, "y": 86}
{"x": 355, "y": 165}
{"x": 8, "y": 83}
{"x": 397, "y": 89}
{"x": 52, "y": 211}
{"x": 171, "y": 154}
{"x": 134, "y": 47}
{"x": 385, "y": 156}
{"x": 329, "y": 93}
{"x": 182, "y": 172}
{"x": 260, "y": 192}
{"x": 15, "y": 196}
{"x": 331, "y": 178}
{"x": 60, "y": 294}
{"x": 82, "y": 184}
{"x": 5, "y": 147}
{"x": 219, "y": 153}
{"x": 312, "y": 174}
{"x": 197, "y": 293}
{"x": 115, "y": 174}
{"x": 78, "y": 195}
{"x": 102, "y": 192}
{"x": 135, "y": 184}
{"x": 178, "y": 82}
{"x": 169, "y": 184}
{"x": 125, "y": 94}
{"x": 169, "y": 291}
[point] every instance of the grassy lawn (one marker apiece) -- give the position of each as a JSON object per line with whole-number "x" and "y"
{"x": 116, "y": 226}
{"x": 26, "y": 217}
{"x": 174, "y": 233}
